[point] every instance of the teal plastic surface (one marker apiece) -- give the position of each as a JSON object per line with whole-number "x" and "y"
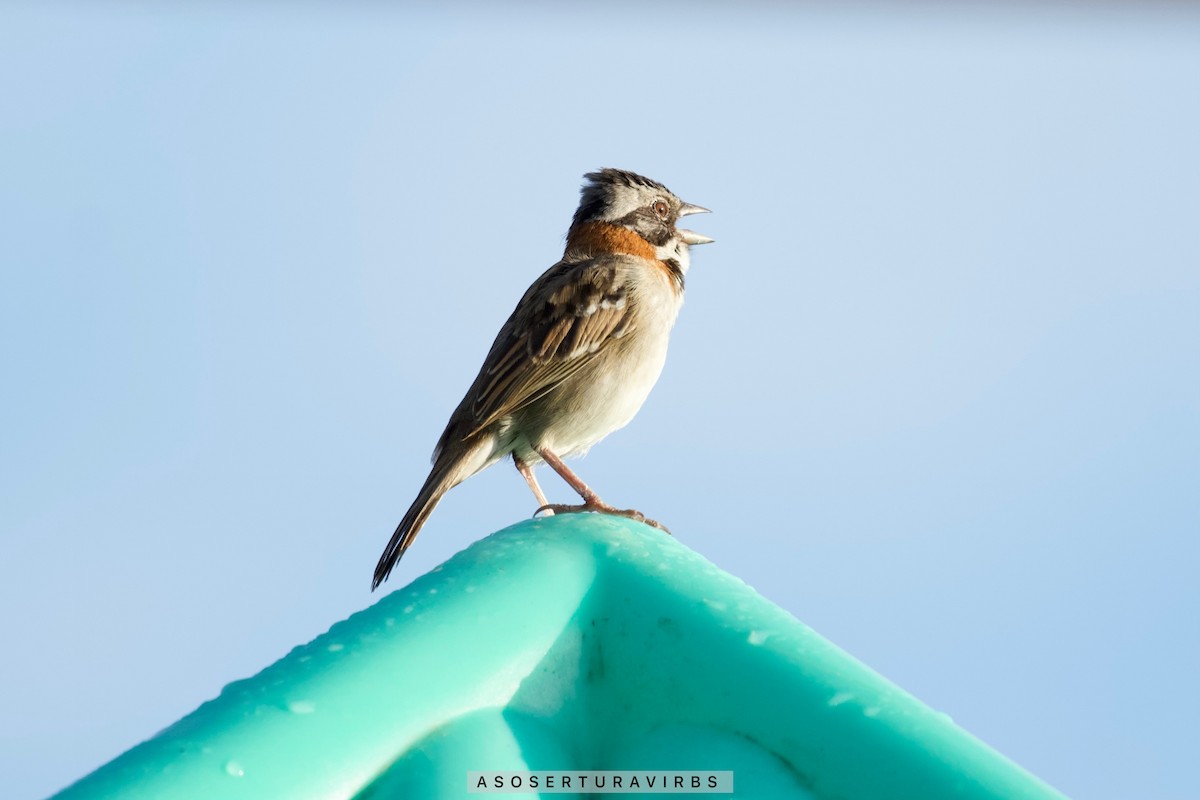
{"x": 572, "y": 642}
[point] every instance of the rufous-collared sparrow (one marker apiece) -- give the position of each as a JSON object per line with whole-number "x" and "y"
{"x": 578, "y": 356}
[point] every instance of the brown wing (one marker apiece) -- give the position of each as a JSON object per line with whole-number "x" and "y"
{"x": 571, "y": 313}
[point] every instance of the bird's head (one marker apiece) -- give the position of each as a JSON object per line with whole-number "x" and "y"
{"x": 624, "y": 212}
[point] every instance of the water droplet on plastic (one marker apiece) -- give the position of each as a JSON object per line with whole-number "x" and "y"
{"x": 301, "y": 706}
{"x": 716, "y": 605}
{"x": 873, "y": 711}
{"x": 336, "y": 647}
{"x": 408, "y": 609}
{"x": 840, "y": 697}
{"x": 234, "y": 768}
{"x": 757, "y": 637}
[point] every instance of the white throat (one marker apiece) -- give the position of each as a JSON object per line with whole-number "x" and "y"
{"x": 676, "y": 250}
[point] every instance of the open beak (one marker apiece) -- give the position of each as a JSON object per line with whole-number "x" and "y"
{"x": 691, "y": 237}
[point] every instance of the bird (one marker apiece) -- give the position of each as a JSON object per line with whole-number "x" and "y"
{"x": 577, "y": 357}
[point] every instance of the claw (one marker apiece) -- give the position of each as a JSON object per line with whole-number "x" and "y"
{"x": 562, "y": 508}
{"x": 657, "y": 525}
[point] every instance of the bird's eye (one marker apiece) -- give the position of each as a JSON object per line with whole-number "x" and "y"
{"x": 662, "y": 209}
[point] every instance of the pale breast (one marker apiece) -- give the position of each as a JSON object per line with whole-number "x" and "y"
{"x": 609, "y": 392}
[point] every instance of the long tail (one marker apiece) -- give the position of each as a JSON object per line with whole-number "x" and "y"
{"x": 445, "y": 475}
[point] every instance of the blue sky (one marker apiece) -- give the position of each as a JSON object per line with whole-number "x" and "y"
{"x": 935, "y": 389}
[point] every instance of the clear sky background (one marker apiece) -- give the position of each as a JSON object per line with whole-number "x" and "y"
{"x": 935, "y": 391}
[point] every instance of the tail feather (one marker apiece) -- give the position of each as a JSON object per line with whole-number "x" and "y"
{"x": 446, "y": 474}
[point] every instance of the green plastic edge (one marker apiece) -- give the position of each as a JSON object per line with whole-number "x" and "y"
{"x": 570, "y": 642}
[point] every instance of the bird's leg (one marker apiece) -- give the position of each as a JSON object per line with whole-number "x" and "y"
{"x": 531, "y": 479}
{"x": 591, "y": 500}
